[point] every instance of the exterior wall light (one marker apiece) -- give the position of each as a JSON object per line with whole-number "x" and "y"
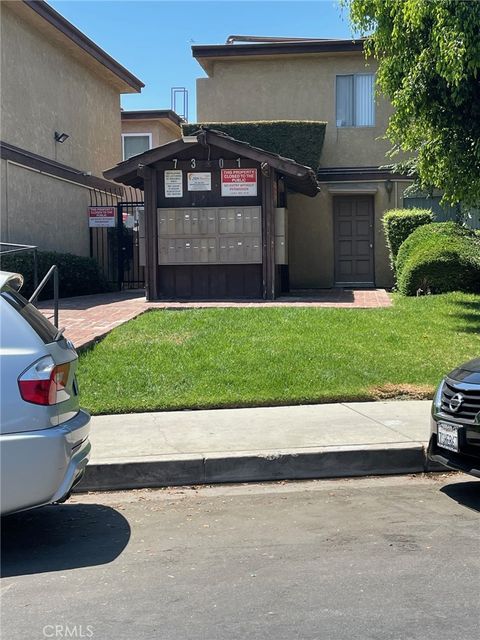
{"x": 61, "y": 137}
{"x": 389, "y": 188}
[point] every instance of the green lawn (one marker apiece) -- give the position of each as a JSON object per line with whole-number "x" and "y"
{"x": 250, "y": 357}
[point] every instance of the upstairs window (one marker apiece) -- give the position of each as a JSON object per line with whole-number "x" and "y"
{"x": 135, "y": 143}
{"x": 355, "y": 100}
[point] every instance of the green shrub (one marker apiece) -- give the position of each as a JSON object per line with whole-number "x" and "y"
{"x": 77, "y": 275}
{"x": 299, "y": 140}
{"x": 399, "y": 224}
{"x": 439, "y": 257}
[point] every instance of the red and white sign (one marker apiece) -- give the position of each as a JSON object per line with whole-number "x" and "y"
{"x": 101, "y": 216}
{"x": 239, "y": 182}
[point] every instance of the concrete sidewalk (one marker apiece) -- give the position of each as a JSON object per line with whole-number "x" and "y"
{"x": 271, "y": 443}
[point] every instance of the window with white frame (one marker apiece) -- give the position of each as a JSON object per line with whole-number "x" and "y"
{"x": 135, "y": 143}
{"x": 355, "y": 100}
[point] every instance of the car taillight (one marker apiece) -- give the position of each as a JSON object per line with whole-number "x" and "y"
{"x": 44, "y": 382}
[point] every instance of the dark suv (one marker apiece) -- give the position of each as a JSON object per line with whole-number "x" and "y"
{"x": 455, "y": 429}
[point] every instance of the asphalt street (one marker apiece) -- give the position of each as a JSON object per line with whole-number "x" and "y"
{"x": 370, "y": 559}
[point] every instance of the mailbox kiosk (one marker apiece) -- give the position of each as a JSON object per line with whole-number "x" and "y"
{"x": 215, "y": 217}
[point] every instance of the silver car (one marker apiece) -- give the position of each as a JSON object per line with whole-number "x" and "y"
{"x": 44, "y": 435}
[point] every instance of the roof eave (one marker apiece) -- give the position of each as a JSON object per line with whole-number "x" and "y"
{"x": 297, "y": 176}
{"x": 130, "y": 166}
{"x": 130, "y": 83}
{"x": 47, "y": 166}
{"x": 206, "y": 54}
{"x": 152, "y": 114}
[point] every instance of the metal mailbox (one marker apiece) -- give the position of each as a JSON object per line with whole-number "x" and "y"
{"x": 216, "y": 235}
{"x": 281, "y": 234}
{"x": 187, "y": 251}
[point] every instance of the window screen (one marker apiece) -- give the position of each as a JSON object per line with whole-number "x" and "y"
{"x": 133, "y": 145}
{"x": 355, "y": 101}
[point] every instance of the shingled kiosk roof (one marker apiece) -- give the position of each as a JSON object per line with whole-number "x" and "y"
{"x": 297, "y": 176}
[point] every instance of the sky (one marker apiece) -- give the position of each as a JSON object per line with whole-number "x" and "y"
{"x": 153, "y": 39}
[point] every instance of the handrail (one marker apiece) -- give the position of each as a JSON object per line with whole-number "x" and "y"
{"x": 33, "y": 298}
{"x": 18, "y": 247}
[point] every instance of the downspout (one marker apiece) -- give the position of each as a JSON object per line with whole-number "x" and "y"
{"x": 7, "y": 239}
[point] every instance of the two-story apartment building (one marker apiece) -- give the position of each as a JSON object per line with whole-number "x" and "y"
{"x": 60, "y": 127}
{"x": 336, "y": 238}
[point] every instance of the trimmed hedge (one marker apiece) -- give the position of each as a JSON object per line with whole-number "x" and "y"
{"x": 299, "y": 140}
{"x": 439, "y": 257}
{"x": 78, "y": 275}
{"x": 399, "y": 224}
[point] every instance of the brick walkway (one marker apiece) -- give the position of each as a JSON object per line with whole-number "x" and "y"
{"x": 88, "y": 318}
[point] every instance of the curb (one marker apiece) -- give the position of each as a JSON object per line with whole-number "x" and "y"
{"x": 327, "y": 462}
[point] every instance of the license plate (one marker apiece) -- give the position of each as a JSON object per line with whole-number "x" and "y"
{"x": 447, "y": 436}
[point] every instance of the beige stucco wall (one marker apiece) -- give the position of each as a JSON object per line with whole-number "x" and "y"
{"x": 311, "y": 242}
{"x": 162, "y": 130}
{"x": 295, "y": 88}
{"x": 44, "y": 89}
{"x": 303, "y": 88}
{"x": 43, "y": 211}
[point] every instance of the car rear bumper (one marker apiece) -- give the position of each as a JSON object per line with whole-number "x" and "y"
{"x": 40, "y": 467}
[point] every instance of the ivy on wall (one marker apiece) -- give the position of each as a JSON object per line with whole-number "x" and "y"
{"x": 299, "y": 140}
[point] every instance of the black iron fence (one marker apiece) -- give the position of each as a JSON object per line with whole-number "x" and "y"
{"x": 116, "y": 248}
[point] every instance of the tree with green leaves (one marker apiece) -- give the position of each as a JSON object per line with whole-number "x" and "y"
{"x": 429, "y": 67}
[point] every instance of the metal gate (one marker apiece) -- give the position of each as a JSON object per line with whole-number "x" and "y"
{"x": 116, "y": 249}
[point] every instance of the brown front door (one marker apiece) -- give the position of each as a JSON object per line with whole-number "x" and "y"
{"x": 353, "y": 237}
